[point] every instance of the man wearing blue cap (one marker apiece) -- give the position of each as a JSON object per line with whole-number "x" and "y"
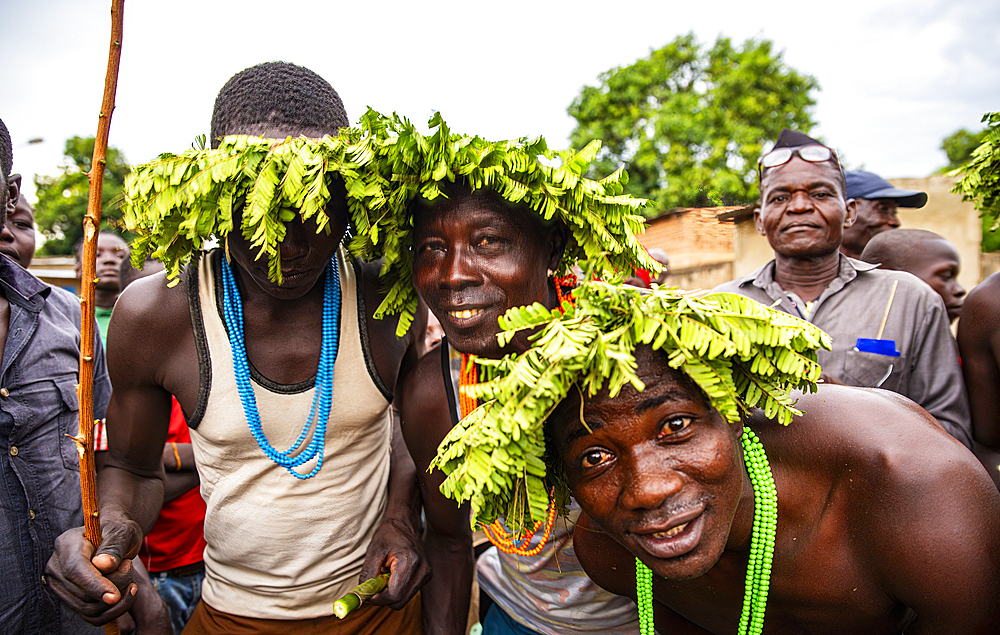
{"x": 877, "y": 201}
{"x": 889, "y": 329}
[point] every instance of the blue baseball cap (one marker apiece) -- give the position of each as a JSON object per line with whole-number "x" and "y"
{"x": 861, "y": 184}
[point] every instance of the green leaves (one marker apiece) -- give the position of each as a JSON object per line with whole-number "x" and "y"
{"x": 178, "y": 202}
{"x": 741, "y": 354}
{"x": 979, "y": 180}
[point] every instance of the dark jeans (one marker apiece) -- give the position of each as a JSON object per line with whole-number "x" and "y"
{"x": 180, "y": 593}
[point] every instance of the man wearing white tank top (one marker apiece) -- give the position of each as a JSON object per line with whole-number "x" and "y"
{"x": 284, "y": 541}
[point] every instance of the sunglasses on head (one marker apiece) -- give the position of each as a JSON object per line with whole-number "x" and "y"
{"x": 781, "y": 156}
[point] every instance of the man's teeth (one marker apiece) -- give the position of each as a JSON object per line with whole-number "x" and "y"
{"x": 465, "y": 314}
{"x": 670, "y": 533}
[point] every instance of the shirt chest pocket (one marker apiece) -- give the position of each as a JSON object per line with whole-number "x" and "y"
{"x": 69, "y": 423}
{"x": 872, "y": 370}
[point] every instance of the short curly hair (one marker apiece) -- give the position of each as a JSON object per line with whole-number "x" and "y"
{"x": 277, "y": 93}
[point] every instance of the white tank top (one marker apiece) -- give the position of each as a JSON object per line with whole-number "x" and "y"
{"x": 281, "y": 547}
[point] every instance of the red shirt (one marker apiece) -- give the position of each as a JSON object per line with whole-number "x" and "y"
{"x": 178, "y": 537}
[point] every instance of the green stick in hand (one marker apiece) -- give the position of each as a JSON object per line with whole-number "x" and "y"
{"x": 359, "y": 594}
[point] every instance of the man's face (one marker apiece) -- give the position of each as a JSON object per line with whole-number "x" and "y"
{"x": 875, "y": 215}
{"x": 304, "y": 251}
{"x": 661, "y": 472}
{"x": 17, "y": 238}
{"x": 937, "y": 264}
{"x": 111, "y": 251}
{"x": 803, "y": 213}
{"x": 474, "y": 258}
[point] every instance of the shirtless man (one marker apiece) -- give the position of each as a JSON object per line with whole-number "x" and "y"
{"x": 860, "y": 545}
{"x": 884, "y": 523}
{"x": 979, "y": 344}
{"x": 280, "y": 549}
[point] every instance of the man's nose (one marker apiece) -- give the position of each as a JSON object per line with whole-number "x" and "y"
{"x": 800, "y": 202}
{"x": 6, "y": 234}
{"x": 959, "y": 291}
{"x": 649, "y": 482}
{"x": 458, "y": 271}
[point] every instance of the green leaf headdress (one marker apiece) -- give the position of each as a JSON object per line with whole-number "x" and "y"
{"x": 178, "y": 202}
{"x": 602, "y": 221}
{"x": 740, "y": 353}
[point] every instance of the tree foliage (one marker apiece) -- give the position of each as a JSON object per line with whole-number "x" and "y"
{"x": 689, "y": 123}
{"x": 979, "y": 180}
{"x": 959, "y": 147}
{"x": 62, "y": 199}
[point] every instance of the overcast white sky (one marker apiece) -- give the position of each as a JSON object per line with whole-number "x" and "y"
{"x": 895, "y": 76}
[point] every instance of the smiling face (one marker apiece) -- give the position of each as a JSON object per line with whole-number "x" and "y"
{"x": 17, "y": 238}
{"x": 661, "y": 472}
{"x": 803, "y": 213}
{"x": 475, "y": 258}
{"x": 304, "y": 251}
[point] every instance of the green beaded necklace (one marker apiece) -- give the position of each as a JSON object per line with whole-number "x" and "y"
{"x": 765, "y": 523}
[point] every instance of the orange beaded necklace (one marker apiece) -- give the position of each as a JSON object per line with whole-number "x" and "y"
{"x": 468, "y": 375}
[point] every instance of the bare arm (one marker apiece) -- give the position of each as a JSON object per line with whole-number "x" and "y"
{"x": 130, "y": 483}
{"x": 933, "y": 536}
{"x": 979, "y": 343}
{"x": 448, "y": 538}
{"x": 181, "y": 476}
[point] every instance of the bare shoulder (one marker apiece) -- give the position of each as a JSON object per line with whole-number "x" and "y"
{"x": 422, "y": 399}
{"x": 878, "y": 431}
{"x": 980, "y": 312}
{"x": 151, "y": 341}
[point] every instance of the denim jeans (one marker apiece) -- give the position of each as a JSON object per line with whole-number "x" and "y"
{"x": 180, "y": 593}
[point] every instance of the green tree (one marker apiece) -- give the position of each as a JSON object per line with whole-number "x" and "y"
{"x": 689, "y": 123}
{"x": 959, "y": 146}
{"x": 62, "y": 199}
{"x": 979, "y": 180}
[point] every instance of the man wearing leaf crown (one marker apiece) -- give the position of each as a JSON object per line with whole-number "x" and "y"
{"x": 713, "y": 498}
{"x": 284, "y": 376}
{"x": 494, "y": 229}
{"x": 889, "y": 330}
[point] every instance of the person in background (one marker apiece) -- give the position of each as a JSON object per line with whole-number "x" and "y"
{"x": 111, "y": 251}
{"x": 889, "y": 329}
{"x": 876, "y": 201}
{"x": 926, "y": 255}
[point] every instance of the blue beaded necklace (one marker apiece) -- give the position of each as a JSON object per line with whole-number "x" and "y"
{"x": 319, "y": 413}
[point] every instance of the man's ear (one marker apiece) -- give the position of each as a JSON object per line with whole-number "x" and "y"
{"x": 558, "y": 237}
{"x": 852, "y": 212}
{"x": 13, "y": 194}
{"x": 758, "y": 222}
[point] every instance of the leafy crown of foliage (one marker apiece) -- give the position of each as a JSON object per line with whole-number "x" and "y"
{"x": 979, "y": 179}
{"x": 178, "y": 202}
{"x": 740, "y": 353}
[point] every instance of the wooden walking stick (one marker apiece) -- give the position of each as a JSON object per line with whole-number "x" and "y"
{"x": 91, "y": 228}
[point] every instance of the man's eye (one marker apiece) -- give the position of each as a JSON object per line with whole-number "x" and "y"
{"x": 593, "y": 458}
{"x": 780, "y": 198}
{"x": 675, "y": 425}
{"x": 487, "y": 241}
{"x": 23, "y": 225}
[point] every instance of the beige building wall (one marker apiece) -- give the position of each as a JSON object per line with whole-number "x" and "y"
{"x": 947, "y": 215}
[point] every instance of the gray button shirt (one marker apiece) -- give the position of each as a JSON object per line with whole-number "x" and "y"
{"x": 853, "y": 306}
{"x": 39, "y": 465}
